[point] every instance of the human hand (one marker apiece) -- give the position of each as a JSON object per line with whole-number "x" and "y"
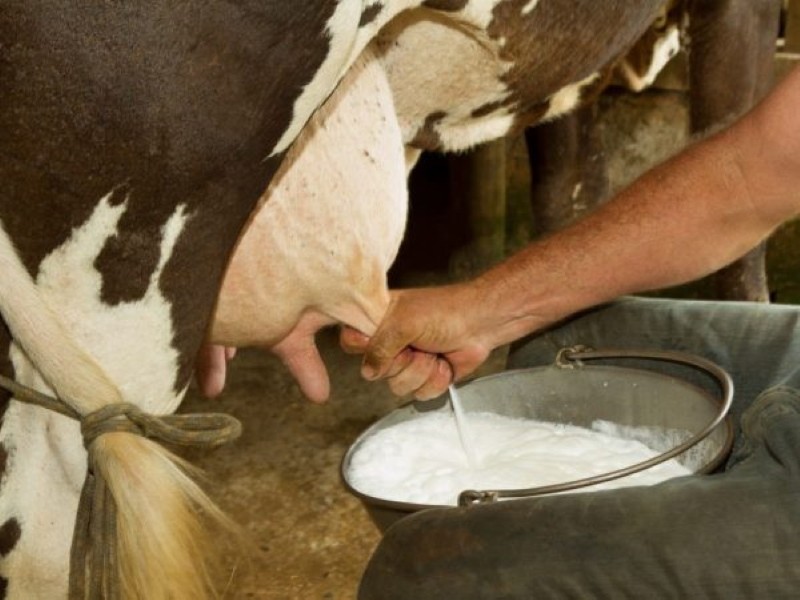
{"x": 428, "y": 338}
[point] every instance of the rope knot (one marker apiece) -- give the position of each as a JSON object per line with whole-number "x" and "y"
{"x": 111, "y": 418}
{"x": 199, "y": 429}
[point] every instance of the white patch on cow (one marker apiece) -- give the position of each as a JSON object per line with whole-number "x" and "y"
{"x": 44, "y": 472}
{"x": 463, "y": 136}
{"x": 664, "y": 49}
{"x": 341, "y": 30}
{"x": 567, "y": 98}
{"x": 132, "y": 343}
{"x": 466, "y": 76}
{"x": 531, "y": 4}
{"x": 479, "y": 12}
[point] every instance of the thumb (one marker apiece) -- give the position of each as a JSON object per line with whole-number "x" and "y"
{"x": 381, "y": 351}
{"x": 301, "y": 357}
{"x": 389, "y": 340}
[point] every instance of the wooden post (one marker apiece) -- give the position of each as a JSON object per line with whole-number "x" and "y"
{"x": 478, "y": 187}
{"x": 792, "y": 27}
{"x": 730, "y": 69}
{"x": 568, "y": 171}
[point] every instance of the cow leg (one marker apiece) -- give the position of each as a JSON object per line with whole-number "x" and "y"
{"x": 478, "y": 184}
{"x": 568, "y": 174}
{"x": 730, "y": 69}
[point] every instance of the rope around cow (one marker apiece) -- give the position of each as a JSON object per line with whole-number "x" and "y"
{"x": 94, "y": 540}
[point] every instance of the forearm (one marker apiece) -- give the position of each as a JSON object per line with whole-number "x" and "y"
{"x": 685, "y": 219}
{"x": 688, "y": 217}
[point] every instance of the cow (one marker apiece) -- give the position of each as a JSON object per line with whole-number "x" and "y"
{"x": 138, "y": 143}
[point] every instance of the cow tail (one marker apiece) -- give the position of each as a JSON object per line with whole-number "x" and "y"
{"x": 162, "y": 539}
{"x": 162, "y": 544}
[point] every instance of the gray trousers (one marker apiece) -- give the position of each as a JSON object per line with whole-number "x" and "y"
{"x": 733, "y": 534}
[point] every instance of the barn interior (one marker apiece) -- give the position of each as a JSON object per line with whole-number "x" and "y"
{"x": 307, "y": 538}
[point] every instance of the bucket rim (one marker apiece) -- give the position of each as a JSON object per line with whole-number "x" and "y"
{"x": 577, "y": 354}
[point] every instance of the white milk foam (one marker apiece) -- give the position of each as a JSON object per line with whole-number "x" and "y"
{"x": 422, "y": 460}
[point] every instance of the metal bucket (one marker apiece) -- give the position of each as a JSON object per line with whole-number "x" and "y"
{"x": 575, "y": 393}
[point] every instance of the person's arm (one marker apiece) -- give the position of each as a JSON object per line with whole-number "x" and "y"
{"x": 684, "y": 219}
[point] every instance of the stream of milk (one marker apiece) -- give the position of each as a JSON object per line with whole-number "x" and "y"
{"x": 464, "y": 434}
{"x": 423, "y": 460}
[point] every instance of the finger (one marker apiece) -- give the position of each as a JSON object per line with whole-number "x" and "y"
{"x": 437, "y": 383}
{"x": 211, "y": 370}
{"x": 381, "y": 352}
{"x": 352, "y": 340}
{"x": 418, "y": 371}
{"x": 401, "y": 362}
{"x": 230, "y": 352}
{"x": 305, "y": 364}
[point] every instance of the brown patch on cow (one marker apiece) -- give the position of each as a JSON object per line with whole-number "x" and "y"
{"x": 426, "y": 137}
{"x": 530, "y": 115}
{"x": 129, "y": 257}
{"x": 183, "y": 103}
{"x": 7, "y": 369}
{"x": 488, "y": 108}
{"x": 446, "y": 5}
{"x": 3, "y": 587}
{"x": 9, "y": 536}
{"x": 562, "y": 47}
{"x": 369, "y": 14}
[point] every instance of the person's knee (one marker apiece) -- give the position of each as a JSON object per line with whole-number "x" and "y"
{"x": 770, "y": 434}
{"x": 403, "y": 564}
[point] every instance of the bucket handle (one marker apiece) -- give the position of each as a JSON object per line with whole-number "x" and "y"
{"x": 572, "y": 358}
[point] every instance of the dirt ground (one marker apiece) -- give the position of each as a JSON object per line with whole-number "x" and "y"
{"x": 305, "y": 536}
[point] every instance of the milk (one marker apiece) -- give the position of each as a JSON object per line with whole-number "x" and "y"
{"x": 462, "y": 426}
{"x": 423, "y": 461}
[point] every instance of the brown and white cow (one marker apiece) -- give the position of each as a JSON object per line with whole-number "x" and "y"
{"x": 137, "y": 141}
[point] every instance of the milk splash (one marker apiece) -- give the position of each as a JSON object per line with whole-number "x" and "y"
{"x": 464, "y": 434}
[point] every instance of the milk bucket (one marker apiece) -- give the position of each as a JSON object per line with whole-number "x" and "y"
{"x": 660, "y": 390}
